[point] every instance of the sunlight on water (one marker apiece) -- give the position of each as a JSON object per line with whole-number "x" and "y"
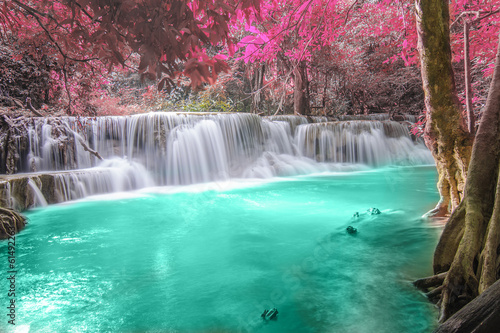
{"x": 212, "y": 260}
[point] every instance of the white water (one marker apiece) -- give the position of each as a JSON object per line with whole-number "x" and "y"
{"x": 372, "y": 143}
{"x": 158, "y": 149}
{"x": 114, "y": 175}
{"x": 39, "y": 199}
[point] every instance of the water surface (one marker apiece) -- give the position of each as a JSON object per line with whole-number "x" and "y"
{"x": 212, "y": 261}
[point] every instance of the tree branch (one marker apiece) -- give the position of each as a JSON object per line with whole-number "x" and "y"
{"x": 28, "y": 103}
{"x": 349, "y": 10}
{"x": 36, "y": 14}
{"x": 477, "y": 14}
{"x": 90, "y": 150}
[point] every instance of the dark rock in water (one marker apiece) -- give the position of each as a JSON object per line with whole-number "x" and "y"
{"x": 270, "y": 314}
{"x": 373, "y": 211}
{"x": 351, "y": 230}
{"x": 355, "y": 214}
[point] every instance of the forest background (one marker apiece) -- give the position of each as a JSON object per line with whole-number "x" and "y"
{"x": 315, "y": 58}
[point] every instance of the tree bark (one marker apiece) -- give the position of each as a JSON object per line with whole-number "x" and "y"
{"x": 469, "y": 246}
{"x": 471, "y": 119}
{"x": 300, "y": 98}
{"x": 482, "y": 315}
{"x": 256, "y": 83}
{"x": 445, "y": 132}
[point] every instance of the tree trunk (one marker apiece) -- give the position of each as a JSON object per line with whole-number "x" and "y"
{"x": 469, "y": 246}
{"x": 300, "y": 98}
{"x": 256, "y": 83}
{"x": 445, "y": 132}
{"x": 471, "y": 119}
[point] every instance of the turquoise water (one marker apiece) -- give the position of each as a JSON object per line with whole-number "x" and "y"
{"x": 212, "y": 261}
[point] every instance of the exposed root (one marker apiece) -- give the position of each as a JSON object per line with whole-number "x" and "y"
{"x": 434, "y": 294}
{"x": 480, "y": 315}
{"x": 450, "y": 240}
{"x": 430, "y": 282}
{"x": 442, "y": 206}
{"x": 490, "y": 254}
{"x": 441, "y": 210}
{"x": 11, "y": 222}
{"x": 431, "y": 286}
{"x": 456, "y": 292}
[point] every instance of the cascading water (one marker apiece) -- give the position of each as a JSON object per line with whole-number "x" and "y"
{"x": 179, "y": 149}
{"x": 369, "y": 142}
{"x": 212, "y": 260}
{"x": 37, "y": 194}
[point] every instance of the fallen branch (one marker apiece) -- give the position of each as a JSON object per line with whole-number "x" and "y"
{"x": 90, "y": 150}
{"x": 28, "y": 103}
{"x": 82, "y": 142}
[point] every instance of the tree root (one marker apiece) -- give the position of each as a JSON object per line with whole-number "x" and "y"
{"x": 480, "y": 315}
{"x": 434, "y": 294}
{"x": 441, "y": 210}
{"x": 450, "y": 240}
{"x": 432, "y": 286}
{"x": 489, "y": 258}
{"x": 11, "y": 222}
{"x": 430, "y": 282}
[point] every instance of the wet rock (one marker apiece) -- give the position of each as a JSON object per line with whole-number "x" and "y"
{"x": 373, "y": 211}
{"x": 351, "y": 230}
{"x": 270, "y": 314}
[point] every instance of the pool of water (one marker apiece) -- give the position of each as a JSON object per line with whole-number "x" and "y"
{"x": 184, "y": 260}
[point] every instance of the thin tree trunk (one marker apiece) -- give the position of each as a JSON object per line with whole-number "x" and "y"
{"x": 471, "y": 120}
{"x": 300, "y": 98}
{"x": 445, "y": 132}
{"x": 258, "y": 79}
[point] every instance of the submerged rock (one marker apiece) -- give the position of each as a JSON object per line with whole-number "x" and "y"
{"x": 355, "y": 214}
{"x": 373, "y": 211}
{"x": 351, "y": 230}
{"x": 270, "y": 314}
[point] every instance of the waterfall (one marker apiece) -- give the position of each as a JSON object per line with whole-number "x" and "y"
{"x": 372, "y": 143}
{"x": 39, "y": 189}
{"x": 178, "y": 149}
{"x": 38, "y": 198}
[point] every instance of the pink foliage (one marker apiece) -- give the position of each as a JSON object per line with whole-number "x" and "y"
{"x": 299, "y": 29}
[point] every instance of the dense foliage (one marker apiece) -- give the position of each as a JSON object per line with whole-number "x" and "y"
{"x": 347, "y": 56}
{"x": 90, "y": 38}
